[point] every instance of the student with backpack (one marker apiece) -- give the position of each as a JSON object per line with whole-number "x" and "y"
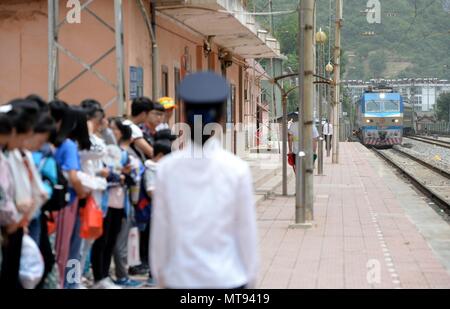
{"x": 71, "y": 137}
{"x": 92, "y": 166}
{"x": 121, "y": 253}
{"x": 116, "y": 204}
{"x": 29, "y": 192}
{"x": 48, "y": 170}
{"x": 161, "y": 148}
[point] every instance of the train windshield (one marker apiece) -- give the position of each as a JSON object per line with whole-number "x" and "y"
{"x": 391, "y": 106}
{"x": 379, "y": 106}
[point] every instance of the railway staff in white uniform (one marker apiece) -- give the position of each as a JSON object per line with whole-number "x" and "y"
{"x": 328, "y": 134}
{"x": 203, "y": 229}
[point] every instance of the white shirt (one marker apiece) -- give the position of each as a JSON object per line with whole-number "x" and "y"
{"x": 150, "y": 175}
{"x": 293, "y": 130}
{"x": 92, "y": 162}
{"x": 136, "y": 132}
{"x": 162, "y": 126}
{"x": 30, "y": 194}
{"x": 327, "y": 129}
{"x": 203, "y": 229}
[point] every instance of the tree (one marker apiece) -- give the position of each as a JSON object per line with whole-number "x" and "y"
{"x": 377, "y": 63}
{"x": 443, "y": 107}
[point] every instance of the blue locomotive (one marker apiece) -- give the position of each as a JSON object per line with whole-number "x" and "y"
{"x": 382, "y": 117}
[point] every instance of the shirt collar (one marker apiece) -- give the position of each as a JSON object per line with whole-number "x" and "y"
{"x": 197, "y": 151}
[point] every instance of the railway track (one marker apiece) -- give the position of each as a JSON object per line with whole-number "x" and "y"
{"x": 430, "y": 180}
{"x": 431, "y": 141}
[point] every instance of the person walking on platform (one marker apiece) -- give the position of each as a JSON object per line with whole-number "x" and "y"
{"x": 203, "y": 225}
{"x": 328, "y": 134}
{"x": 294, "y": 140}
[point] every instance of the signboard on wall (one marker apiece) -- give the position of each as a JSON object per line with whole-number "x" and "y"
{"x": 230, "y": 104}
{"x": 136, "y": 82}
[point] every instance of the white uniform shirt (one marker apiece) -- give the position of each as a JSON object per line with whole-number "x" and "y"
{"x": 203, "y": 229}
{"x": 327, "y": 129}
{"x": 293, "y": 130}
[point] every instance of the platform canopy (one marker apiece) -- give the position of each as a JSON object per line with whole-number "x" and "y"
{"x": 227, "y": 21}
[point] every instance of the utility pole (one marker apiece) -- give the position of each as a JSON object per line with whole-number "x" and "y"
{"x": 274, "y": 106}
{"x": 337, "y": 81}
{"x": 304, "y": 159}
{"x": 155, "y": 56}
{"x": 284, "y": 145}
{"x": 151, "y": 27}
{"x": 413, "y": 103}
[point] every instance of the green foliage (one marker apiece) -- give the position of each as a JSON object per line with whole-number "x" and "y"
{"x": 417, "y": 39}
{"x": 443, "y": 107}
{"x": 377, "y": 63}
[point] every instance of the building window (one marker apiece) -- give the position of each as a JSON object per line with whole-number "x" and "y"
{"x": 177, "y": 77}
{"x": 164, "y": 81}
{"x": 246, "y": 82}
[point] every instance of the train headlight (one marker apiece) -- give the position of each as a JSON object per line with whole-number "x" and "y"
{"x": 395, "y": 120}
{"x": 369, "y": 120}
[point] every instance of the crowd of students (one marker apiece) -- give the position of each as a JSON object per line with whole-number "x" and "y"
{"x": 59, "y": 164}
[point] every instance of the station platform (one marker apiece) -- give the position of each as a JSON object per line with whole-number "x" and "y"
{"x": 371, "y": 229}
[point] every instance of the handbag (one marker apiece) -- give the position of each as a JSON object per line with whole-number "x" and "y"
{"x": 91, "y": 217}
{"x": 291, "y": 159}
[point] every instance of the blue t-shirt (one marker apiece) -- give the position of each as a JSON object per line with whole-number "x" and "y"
{"x": 68, "y": 158}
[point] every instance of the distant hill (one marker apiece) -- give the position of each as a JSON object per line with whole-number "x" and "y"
{"x": 412, "y": 40}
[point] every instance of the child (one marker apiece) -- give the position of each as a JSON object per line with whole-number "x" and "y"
{"x": 161, "y": 148}
{"x": 116, "y": 202}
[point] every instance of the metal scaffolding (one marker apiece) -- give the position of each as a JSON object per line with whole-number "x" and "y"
{"x": 54, "y": 47}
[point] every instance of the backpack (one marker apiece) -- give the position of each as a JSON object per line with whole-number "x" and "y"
{"x": 143, "y": 208}
{"x": 60, "y": 196}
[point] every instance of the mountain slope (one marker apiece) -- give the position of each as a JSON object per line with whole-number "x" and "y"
{"x": 412, "y": 40}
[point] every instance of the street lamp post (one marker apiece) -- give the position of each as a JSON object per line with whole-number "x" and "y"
{"x": 321, "y": 38}
{"x": 329, "y": 69}
{"x": 337, "y": 81}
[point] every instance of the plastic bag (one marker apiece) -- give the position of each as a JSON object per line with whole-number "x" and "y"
{"x": 91, "y": 220}
{"x": 31, "y": 264}
{"x": 133, "y": 247}
{"x": 92, "y": 183}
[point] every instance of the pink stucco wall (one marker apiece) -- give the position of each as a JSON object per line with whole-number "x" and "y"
{"x": 24, "y": 57}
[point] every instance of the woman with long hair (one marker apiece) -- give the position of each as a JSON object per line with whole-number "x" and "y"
{"x": 71, "y": 137}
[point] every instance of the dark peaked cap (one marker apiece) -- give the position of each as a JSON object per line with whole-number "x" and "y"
{"x": 204, "y": 88}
